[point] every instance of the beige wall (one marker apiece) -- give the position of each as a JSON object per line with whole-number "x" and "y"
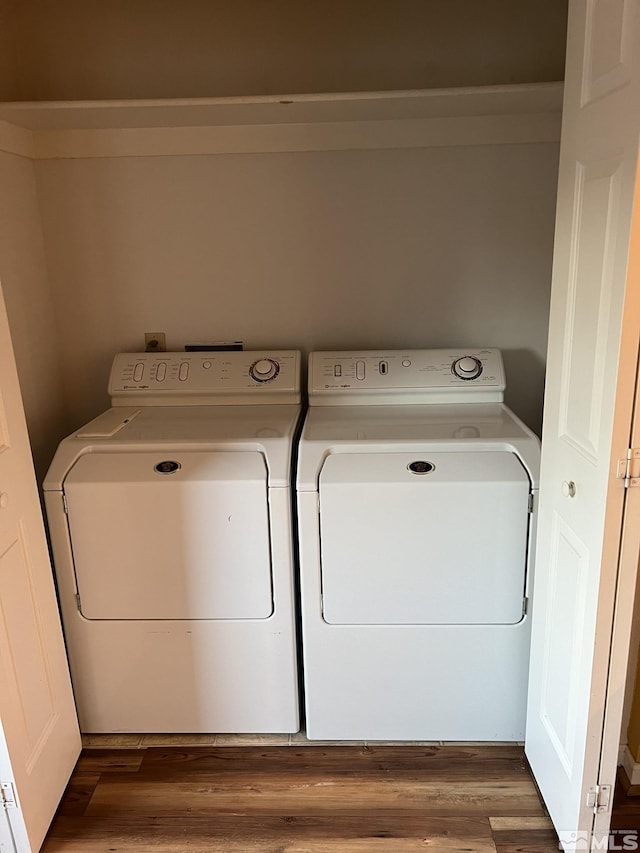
{"x": 418, "y": 248}
{"x": 25, "y": 285}
{"x": 386, "y": 248}
{"x": 318, "y": 249}
{"x": 75, "y": 49}
{"x": 633, "y": 732}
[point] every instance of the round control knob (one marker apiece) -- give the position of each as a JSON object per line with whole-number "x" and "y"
{"x": 264, "y": 370}
{"x": 467, "y": 367}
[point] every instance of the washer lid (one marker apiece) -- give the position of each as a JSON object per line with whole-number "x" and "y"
{"x": 171, "y": 535}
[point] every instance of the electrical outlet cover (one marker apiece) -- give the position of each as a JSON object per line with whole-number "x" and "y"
{"x": 155, "y": 342}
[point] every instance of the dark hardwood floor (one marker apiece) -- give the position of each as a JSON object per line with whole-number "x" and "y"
{"x": 626, "y": 812}
{"x": 302, "y": 799}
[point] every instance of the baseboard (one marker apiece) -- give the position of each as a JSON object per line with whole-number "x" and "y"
{"x": 631, "y": 766}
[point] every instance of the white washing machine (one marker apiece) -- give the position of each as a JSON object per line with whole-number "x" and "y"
{"x": 416, "y": 508}
{"x": 171, "y": 526}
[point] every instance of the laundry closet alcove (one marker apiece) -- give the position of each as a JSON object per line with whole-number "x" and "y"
{"x": 414, "y": 218}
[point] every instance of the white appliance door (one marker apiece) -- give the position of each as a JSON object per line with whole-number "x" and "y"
{"x": 590, "y": 375}
{"x": 433, "y": 538}
{"x": 171, "y": 535}
{"x": 39, "y": 735}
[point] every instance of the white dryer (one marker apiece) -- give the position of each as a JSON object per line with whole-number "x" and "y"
{"x": 171, "y": 527}
{"x": 416, "y": 507}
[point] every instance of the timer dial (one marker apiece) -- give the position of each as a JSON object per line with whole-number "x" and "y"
{"x": 264, "y": 370}
{"x": 467, "y": 367}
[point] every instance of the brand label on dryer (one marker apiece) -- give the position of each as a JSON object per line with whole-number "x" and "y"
{"x": 168, "y": 466}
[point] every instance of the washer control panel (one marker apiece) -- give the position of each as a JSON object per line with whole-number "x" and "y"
{"x": 420, "y": 376}
{"x": 203, "y": 375}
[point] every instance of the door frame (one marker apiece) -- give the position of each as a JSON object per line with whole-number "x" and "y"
{"x": 624, "y": 536}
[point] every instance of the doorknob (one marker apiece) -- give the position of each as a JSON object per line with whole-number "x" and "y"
{"x": 4, "y": 500}
{"x": 569, "y": 489}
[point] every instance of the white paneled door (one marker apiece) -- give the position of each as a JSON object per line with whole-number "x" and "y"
{"x": 592, "y": 357}
{"x": 39, "y": 735}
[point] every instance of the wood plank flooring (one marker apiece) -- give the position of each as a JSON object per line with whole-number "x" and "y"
{"x": 302, "y": 799}
{"x": 626, "y": 811}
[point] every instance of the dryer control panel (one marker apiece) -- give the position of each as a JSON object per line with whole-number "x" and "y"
{"x": 198, "y": 378}
{"x": 373, "y": 377}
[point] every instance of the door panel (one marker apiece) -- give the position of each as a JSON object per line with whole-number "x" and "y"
{"x": 565, "y": 626}
{"x": 608, "y": 48}
{"x": 445, "y": 547}
{"x": 41, "y": 739}
{"x": 21, "y": 635}
{"x": 587, "y": 314}
{"x": 192, "y": 543}
{"x": 6, "y": 837}
{"x": 586, "y": 415}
